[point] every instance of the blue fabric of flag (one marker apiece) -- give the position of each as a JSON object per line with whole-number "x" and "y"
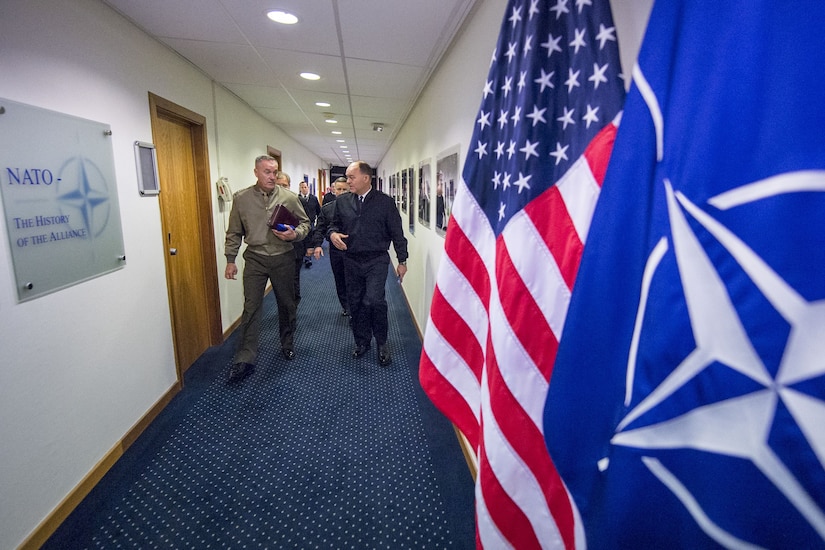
{"x": 687, "y": 403}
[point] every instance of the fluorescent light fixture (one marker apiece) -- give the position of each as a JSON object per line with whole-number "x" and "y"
{"x": 343, "y": 147}
{"x": 322, "y": 104}
{"x": 341, "y": 140}
{"x": 331, "y": 121}
{"x": 336, "y": 132}
{"x": 310, "y": 76}
{"x": 283, "y": 17}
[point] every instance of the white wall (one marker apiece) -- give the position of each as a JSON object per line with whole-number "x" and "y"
{"x": 81, "y": 366}
{"x": 445, "y": 116}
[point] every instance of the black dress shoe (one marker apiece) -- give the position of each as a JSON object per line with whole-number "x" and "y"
{"x": 239, "y": 371}
{"x": 359, "y": 351}
{"x": 384, "y": 357}
{"x": 288, "y": 354}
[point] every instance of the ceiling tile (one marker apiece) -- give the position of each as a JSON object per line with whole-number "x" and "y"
{"x": 373, "y": 56}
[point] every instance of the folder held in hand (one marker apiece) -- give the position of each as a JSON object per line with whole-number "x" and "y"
{"x": 282, "y": 217}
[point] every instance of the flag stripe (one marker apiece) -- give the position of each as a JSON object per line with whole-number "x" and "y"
{"x": 547, "y": 285}
{"x": 516, "y": 403}
{"x": 453, "y": 397}
{"x": 510, "y": 522}
{"x": 511, "y": 476}
{"x": 511, "y": 417}
{"x": 599, "y": 150}
{"x": 453, "y": 326}
{"x": 523, "y": 314}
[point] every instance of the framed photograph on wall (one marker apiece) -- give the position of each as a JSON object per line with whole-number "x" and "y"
{"x": 411, "y": 195}
{"x": 446, "y": 185}
{"x": 404, "y": 190}
{"x": 424, "y": 192}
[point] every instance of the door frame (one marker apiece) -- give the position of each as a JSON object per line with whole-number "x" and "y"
{"x": 276, "y": 154}
{"x": 158, "y": 107}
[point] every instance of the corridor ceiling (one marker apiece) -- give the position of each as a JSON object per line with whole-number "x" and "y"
{"x": 374, "y": 58}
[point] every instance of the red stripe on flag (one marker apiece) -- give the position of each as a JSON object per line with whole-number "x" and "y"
{"x": 448, "y": 400}
{"x": 457, "y": 333}
{"x": 599, "y": 150}
{"x": 522, "y": 435}
{"x": 524, "y": 315}
{"x": 550, "y": 216}
{"x": 507, "y": 516}
{"x": 460, "y": 249}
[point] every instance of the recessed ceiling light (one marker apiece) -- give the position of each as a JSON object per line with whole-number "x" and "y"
{"x": 310, "y": 76}
{"x": 336, "y": 132}
{"x": 343, "y": 147}
{"x": 341, "y": 140}
{"x": 331, "y": 121}
{"x": 282, "y": 17}
{"x": 322, "y": 104}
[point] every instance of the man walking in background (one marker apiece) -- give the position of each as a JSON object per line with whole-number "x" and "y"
{"x": 336, "y": 257}
{"x": 312, "y": 207}
{"x": 364, "y": 223}
{"x": 268, "y": 257}
{"x": 299, "y": 246}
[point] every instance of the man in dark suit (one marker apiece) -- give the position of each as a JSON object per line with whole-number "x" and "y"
{"x": 299, "y": 245}
{"x": 312, "y": 207}
{"x": 364, "y": 224}
{"x": 336, "y": 257}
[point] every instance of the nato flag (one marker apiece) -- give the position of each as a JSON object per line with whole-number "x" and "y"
{"x": 687, "y": 403}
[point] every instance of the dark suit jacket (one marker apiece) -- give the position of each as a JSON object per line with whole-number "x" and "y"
{"x": 373, "y": 228}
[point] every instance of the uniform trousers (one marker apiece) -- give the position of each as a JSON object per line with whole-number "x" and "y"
{"x": 259, "y": 269}
{"x": 365, "y": 279}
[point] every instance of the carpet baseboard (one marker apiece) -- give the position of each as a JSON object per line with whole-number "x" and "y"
{"x": 51, "y": 522}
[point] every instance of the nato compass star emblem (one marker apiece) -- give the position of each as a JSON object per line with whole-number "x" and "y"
{"x": 737, "y": 428}
{"x": 87, "y": 194}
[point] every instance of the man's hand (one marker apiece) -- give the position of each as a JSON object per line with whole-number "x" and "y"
{"x": 401, "y": 270}
{"x": 337, "y": 240}
{"x": 230, "y": 271}
{"x": 287, "y": 235}
{"x": 316, "y": 253}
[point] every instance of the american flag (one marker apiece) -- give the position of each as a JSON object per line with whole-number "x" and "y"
{"x": 539, "y": 149}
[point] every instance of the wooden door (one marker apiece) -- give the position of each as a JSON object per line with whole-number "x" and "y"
{"x": 188, "y": 238}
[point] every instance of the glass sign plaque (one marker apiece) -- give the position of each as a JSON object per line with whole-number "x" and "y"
{"x": 57, "y": 180}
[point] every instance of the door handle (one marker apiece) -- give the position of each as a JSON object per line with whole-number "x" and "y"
{"x": 173, "y": 251}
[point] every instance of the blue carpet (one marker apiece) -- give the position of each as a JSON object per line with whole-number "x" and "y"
{"x": 324, "y": 451}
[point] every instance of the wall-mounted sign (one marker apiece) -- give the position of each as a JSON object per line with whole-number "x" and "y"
{"x": 57, "y": 180}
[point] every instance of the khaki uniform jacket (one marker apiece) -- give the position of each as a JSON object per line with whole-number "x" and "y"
{"x": 251, "y": 209}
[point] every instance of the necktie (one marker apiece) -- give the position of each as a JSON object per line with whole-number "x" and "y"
{"x": 360, "y": 203}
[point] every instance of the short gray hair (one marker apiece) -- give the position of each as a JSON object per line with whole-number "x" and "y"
{"x": 263, "y": 158}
